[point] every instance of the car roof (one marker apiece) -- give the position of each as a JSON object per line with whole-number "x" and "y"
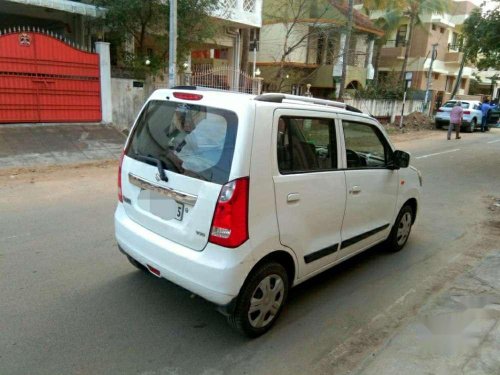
{"x": 229, "y": 99}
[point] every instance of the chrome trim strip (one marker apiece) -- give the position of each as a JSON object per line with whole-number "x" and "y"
{"x": 170, "y": 193}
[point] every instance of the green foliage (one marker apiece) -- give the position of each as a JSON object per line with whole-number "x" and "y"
{"x": 147, "y": 22}
{"x": 481, "y": 38}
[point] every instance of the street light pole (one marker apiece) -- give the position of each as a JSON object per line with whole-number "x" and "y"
{"x": 172, "y": 47}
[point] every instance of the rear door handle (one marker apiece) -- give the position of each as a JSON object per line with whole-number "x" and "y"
{"x": 293, "y": 197}
{"x": 355, "y": 190}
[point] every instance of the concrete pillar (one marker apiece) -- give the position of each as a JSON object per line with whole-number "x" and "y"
{"x": 370, "y": 71}
{"x": 102, "y": 48}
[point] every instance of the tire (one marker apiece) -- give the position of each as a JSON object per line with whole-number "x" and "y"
{"x": 438, "y": 126}
{"x": 472, "y": 126}
{"x": 269, "y": 285}
{"x": 136, "y": 264}
{"x": 401, "y": 230}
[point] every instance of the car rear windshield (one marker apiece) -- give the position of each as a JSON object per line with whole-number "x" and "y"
{"x": 452, "y": 104}
{"x": 188, "y": 139}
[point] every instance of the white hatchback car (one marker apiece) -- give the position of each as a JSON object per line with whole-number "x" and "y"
{"x": 237, "y": 198}
{"x": 472, "y": 115}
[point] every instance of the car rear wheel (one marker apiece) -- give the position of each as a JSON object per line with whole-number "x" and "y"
{"x": 472, "y": 126}
{"x": 438, "y": 125}
{"x": 261, "y": 300}
{"x": 401, "y": 230}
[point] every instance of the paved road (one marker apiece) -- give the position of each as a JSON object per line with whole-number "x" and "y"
{"x": 71, "y": 304}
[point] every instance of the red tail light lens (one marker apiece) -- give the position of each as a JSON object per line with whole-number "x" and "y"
{"x": 230, "y": 221}
{"x": 186, "y": 96}
{"x": 120, "y": 195}
{"x": 440, "y": 110}
{"x": 466, "y": 112}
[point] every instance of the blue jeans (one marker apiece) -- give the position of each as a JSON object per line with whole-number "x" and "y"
{"x": 484, "y": 120}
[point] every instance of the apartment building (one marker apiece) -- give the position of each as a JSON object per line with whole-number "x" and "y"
{"x": 442, "y": 31}
{"x": 303, "y": 46}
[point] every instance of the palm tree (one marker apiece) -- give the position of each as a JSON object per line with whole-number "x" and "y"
{"x": 388, "y": 23}
{"x": 398, "y": 10}
{"x": 414, "y": 10}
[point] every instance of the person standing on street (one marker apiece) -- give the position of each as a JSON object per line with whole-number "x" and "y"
{"x": 485, "y": 107}
{"x": 456, "y": 119}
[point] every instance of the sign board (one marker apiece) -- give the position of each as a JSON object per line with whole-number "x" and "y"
{"x": 408, "y": 76}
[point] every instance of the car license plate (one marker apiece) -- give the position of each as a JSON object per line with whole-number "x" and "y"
{"x": 179, "y": 212}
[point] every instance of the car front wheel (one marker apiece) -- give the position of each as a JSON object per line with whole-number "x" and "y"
{"x": 401, "y": 230}
{"x": 261, "y": 300}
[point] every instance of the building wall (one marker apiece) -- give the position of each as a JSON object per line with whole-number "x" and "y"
{"x": 127, "y": 101}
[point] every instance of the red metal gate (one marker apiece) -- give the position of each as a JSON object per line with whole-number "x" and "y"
{"x": 43, "y": 79}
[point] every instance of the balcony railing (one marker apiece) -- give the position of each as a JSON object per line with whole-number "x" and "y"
{"x": 240, "y": 12}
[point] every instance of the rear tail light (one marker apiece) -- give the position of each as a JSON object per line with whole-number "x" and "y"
{"x": 120, "y": 195}
{"x": 230, "y": 221}
{"x": 187, "y": 96}
{"x": 466, "y": 112}
{"x": 440, "y": 110}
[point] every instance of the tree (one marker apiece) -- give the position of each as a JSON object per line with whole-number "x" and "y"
{"x": 388, "y": 22}
{"x": 301, "y": 21}
{"x": 147, "y": 23}
{"x": 480, "y": 42}
{"x": 482, "y": 38}
{"x": 348, "y": 33}
{"x": 413, "y": 11}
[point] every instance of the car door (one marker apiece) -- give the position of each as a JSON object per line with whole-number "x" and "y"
{"x": 310, "y": 190}
{"x": 372, "y": 186}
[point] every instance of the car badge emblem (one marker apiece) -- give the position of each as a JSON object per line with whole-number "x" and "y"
{"x": 24, "y": 40}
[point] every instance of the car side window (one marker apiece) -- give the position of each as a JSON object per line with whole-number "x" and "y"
{"x": 365, "y": 146}
{"x": 306, "y": 145}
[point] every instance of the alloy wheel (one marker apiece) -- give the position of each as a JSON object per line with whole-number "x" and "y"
{"x": 266, "y": 301}
{"x": 404, "y": 228}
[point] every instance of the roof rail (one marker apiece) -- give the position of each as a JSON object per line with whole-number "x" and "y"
{"x": 279, "y": 98}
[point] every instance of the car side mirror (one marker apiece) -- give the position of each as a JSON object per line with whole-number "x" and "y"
{"x": 400, "y": 159}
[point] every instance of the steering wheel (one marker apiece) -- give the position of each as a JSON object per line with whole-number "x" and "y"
{"x": 353, "y": 159}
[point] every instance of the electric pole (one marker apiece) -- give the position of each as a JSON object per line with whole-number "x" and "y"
{"x": 172, "y": 47}
{"x": 429, "y": 76}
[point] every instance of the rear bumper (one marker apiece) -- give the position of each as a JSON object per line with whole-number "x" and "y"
{"x": 216, "y": 273}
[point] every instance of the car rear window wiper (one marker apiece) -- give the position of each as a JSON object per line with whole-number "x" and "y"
{"x": 151, "y": 160}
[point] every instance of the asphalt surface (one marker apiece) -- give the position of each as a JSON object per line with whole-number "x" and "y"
{"x": 71, "y": 304}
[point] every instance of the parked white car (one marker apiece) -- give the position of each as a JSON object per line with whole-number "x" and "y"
{"x": 238, "y": 198}
{"x": 472, "y": 115}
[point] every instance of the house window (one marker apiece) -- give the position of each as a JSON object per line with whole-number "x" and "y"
{"x": 254, "y": 39}
{"x": 441, "y": 30}
{"x": 401, "y": 36}
{"x": 433, "y": 27}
